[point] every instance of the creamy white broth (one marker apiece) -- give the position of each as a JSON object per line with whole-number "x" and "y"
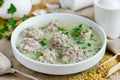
{"x": 89, "y": 48}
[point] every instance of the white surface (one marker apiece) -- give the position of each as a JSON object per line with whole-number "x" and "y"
{"x": 76, "y": 4}
{"x": 109, "y": 19}
{"x": 39, "y": 12}
{"x": 57, "y": 69}
{"x": 34, "y": 2}
{"x": 23, "y": 8}
{"x": 110, "y": 4}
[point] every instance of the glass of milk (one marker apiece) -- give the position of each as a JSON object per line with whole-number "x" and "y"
{"x": 107, "y": 14}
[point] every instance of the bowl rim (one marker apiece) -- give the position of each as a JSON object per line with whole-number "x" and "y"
{"x": 59, "y": 65}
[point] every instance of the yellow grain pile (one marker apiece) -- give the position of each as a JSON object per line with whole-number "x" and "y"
{"x": 97, "y": 73}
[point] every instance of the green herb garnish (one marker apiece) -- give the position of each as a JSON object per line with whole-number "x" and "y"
{"x": 89, "y": 44}
{"x": 5, "y": 28}
{"x": 12, "y": 9}
{"x": 92, "y": 35}
{"x": 50, "y": 49}
{"x": 65, "y": 62}
{"x": 1, "y": 36}
{"x": 12, "y": 22}
{"x": 43, "y": 42}
{"x": 25, "y": 17}
{"x": 79, "y": 42}
{"x": 1, "y": 2}
{"x": 69, "y": 46}
{"x": 64, "y": 31}
{"x": 76, "y": 31}
{"x": 2, "y": 31}
{"x": 8, "y": 37}
{"x": 90, "y": 27}
{"x": 37, "y": 54}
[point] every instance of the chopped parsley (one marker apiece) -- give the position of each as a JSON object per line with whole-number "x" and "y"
{"x": 12, "y": 22}
{"x": 43, "y": 42}
{"x": 1, "y": 36}
{"x": 69, "y": 46}
{"x": 5, "y": 28}
{"x": 92, "y": 35}
{"x": 89, "y": 44}
{"x": 76, "y": 31}
{"x": 64, "y": 62}
{"x": 90, "y": 27}
{"x": 79, "y": 42}
{"x": 50, "y": 49}
{"x": 64, "y": 31}
{"x": 37, "y": 54}
{"x": 12, "y": 9}
{"x": 25, "y": 17}
{"x": 1, "y": 2}
{"x": 8, "y": 37}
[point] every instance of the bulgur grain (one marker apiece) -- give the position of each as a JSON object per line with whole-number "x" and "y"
{"x": 97, "y": 73}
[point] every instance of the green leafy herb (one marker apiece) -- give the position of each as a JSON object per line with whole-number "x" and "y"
{"x": 12, "y": 22}
{"x": 65, "y": 62}
{"x": 64, "y": 31}
{"x": 92, "y": 35}
{"x": 90, "y": 27}
{"x": 43, "y": 42}
{"x": 1, "y": 2}
{"x": 2, "y": 31}
{"x": 1, "y": 36}
{"x": 12, "y": 9}
{"x": 76, "y": 31}
{"x": 69, "y": 46}
{"x": 8, "y": 37}
{"x": 79, "y": 42}
{"x": 90, "y": 50}
{"x": 37, "y": 54}
{"x": 25, "y": 17}
{"x": 5, "y": 28}
{"x": 50, "y": 49}
{"x": 89, "y": 44}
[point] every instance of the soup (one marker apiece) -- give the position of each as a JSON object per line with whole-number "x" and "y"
{"x": 59, "y": 42}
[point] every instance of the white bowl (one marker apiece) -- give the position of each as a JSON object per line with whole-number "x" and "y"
{"x": 58, "y": 69}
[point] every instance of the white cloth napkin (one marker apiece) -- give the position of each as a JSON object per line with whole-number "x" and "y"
{"x": 76, "y": 4}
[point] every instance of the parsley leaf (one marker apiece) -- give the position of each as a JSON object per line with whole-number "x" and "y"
{"x": 1, "y": 36}
{"x": 79, "y": 42}
{"x": 8, "y": 37}
{"x": 25, "y": 17}
{"x": 64, "y": 31}
{"x": 43, "y": 42}
{"x": 76, "y": 31}
{"x": 37, "y": 54}
{"x": 12, "y": 9}
{"x": 2, "y": 31}
{"x": 12, "y": 22}
{"x": 89, "y": 44}
{"x": 5, "y": 28}
{"x": 1, "y": 2}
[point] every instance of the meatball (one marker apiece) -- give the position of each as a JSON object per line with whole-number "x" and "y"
{"x": 28, "y": 45}
{"x": 85, "y": 34}
{"x": 52, "y": 26}
{"x": 34, "y": 33}
{"x": 59, "y": 41}
{"x": 73, "y": 54}
{"x": 47, "y": 56}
